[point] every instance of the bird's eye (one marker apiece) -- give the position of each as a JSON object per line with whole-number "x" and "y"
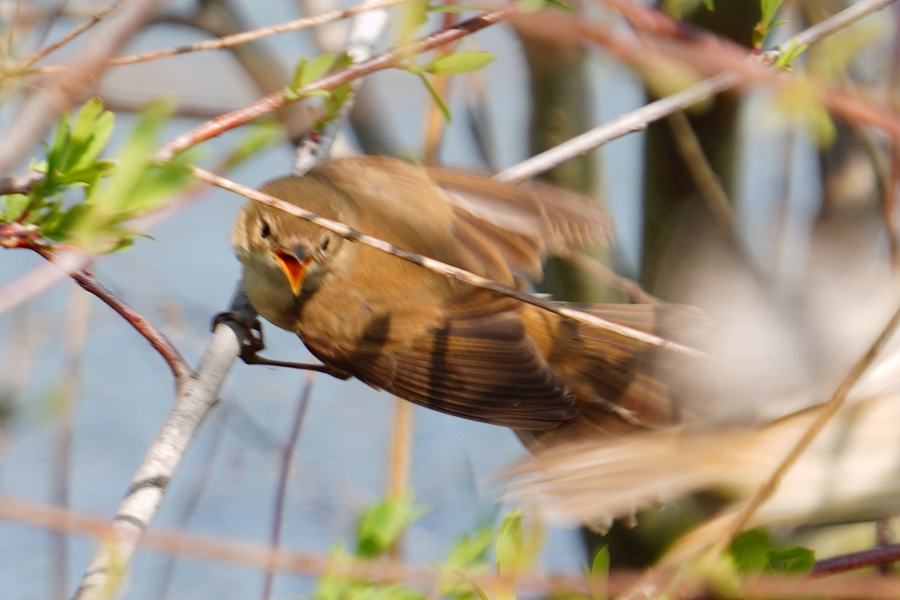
{"x": 323, "y": 245}
{"x": 265, "y": 231}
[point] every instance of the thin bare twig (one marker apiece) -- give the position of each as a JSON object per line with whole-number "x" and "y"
{"x": 199, "y": 484}
{"x": 39, "y": 112}
{"x": 639, "y": 119}
{"x": 388, "y": 59}
{"x": 238, "y": 38}
{"x": 65, "y": 39}
{"x": 443, "y": 268}
{"x": 283, "y": 476}
{"x": 434, "y": 117}
{"x": 20, "y": 184}
{"x": 841, "y": 20}
{"x": 884, "y": 536}
{"x": 711, "y": 188}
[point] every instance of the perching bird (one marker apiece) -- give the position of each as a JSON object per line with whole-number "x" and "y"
{"x": 435, "y": 341}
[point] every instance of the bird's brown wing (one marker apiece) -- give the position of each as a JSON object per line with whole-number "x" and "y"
{"x": 476, "y": 360}
{"x": 526, "y": 221}
{"x": 622, "y": 384}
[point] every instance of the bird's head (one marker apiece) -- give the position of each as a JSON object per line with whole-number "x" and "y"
{"x": 275, "y": 244}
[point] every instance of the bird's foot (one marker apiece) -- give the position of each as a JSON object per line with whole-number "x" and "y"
{"x": 253, "y": 344}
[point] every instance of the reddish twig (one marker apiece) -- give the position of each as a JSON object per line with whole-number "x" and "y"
{"x": 160, "y": 342}
{"x": 385, "y": 60}
{"x": 857, "y": 560}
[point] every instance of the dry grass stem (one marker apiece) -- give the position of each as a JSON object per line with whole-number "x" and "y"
{"x": 827, "y": 410}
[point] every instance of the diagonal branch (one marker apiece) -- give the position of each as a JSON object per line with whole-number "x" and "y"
{"x": 638, "y": 120}
{"x": 160, "y": 342}
{"x": 443, "y": 268}
{"x": 827, "y": 410}
{"x": 197, "y": 395}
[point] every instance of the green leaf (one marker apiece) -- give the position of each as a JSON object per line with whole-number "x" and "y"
{"x": 528, "y": 6}
{"x": 290, "y": 94}
{"x": 83, "y": 127}
{"x": 414, "y": 15}
{"x": 600, "y": 566}
{"x": 13, "y": 206}
{"x": 600, "y": 570}
{"x": 335, "y": 101}
{"x": 793, "y": 560}
{"x": 298, "y": 73}
{"x": 472, "y": 549}
{"x": 437, "y": 98}
{"x": 461, "y": 62}
{"x": 57, "y": 227}
{"x": 752, "y": 553}
{"x": 768, "y": 8}
{"x": 56, "y": 152}
{"x": 790, "y": 53}
{"x": 134, "y": 159}
{"x": 454, "y": 8}
{"x": 315, "y": 69}
{"x": 709, "y": 4}
{"x": 750, "y": 550}
{"x": 382, "y": 524}
{"x": 517, "y": 546}
{"x": 155, "y": 185}
{"x": 102, "y": 131}
{"x": 562, "y": 6}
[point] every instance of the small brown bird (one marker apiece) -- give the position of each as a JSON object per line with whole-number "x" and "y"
{"x": 433, "y": 340}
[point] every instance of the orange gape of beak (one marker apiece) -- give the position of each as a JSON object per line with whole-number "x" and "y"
{"x": 294, "y": 268}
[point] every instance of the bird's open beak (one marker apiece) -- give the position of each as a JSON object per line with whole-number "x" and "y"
{"x": 294, "y": 266}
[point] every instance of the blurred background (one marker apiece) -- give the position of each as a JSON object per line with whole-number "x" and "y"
{"x": 796, "y": 273}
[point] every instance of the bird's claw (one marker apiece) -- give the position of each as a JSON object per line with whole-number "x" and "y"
{"x": 253, "y": 342}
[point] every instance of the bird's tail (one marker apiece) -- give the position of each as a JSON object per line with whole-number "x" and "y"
{"x": 621, "y": 383}
{"x": 597, "y": 481}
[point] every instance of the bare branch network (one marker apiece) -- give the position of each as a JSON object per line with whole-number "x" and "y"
{"x": 198, "y": 389}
